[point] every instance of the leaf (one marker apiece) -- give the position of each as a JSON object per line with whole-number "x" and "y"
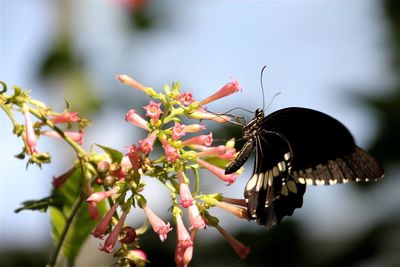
{"x": 115, "y": 155}
{"x": 81, "y": 225}
{"x": 40, "y": 205}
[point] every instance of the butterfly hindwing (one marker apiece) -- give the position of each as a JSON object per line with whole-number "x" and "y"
{"x": 271, "y": 193}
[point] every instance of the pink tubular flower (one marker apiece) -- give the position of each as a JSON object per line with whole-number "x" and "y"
{"x": 171, "y": 152}
{"x": 193, "y": 128}
{"x": 93, "y": 212}
{"x": 65, "y": 117}
{"x": 113, "y": 236}
{"x": 195, "y": 218}
{"x": 178, "y": 131}
{"x": 60, "y": 180}
{"x": 187, "y": 256}
{"x": 227, "y": 89}
{"x": 76, "y": 136}
{"x": 102, "y": 226}
{"x": 186, "y": 98}
{"x": 239, "y": 212}
{"x": 212, "y": 151}
{"x": 220, "y": 173}
{"x": 184, "y": 240}
{"x": 185, "y": 197}
{"x": 204, "y": 114}
{"x": 30, "y": 134}
{"x": 221, "y": 151}
{"x": 159, "y": 226}
{"x": 183, "y": 255}
{"x": 153, "y": 110}
{"x": 230, "y": 154}
{"x": 99, "y": 196}
{"x": 237, "y": 246}
{"x": 203, "y": 140}
{"x": 146, "y": 145}
{"x": 134, "y": 156}
{"x": 135, "y": 119}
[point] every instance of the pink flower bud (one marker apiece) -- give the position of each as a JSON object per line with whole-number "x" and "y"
{"x": 239, "y": 212}
{"x": 153, "y": 110}
{"x": 220, "y": 173}
{"x": 59, "y": 181}
{"x": 193, "y": 128}
{"x": 237, "y": 246}
{"x": 178, "y": 131}
{"x": 186, "y": 98}
{"x": 195, "y": 218}
{"x": 227, "y": 89}
{"x": 131, "y": 82}
{"x": 99, "y": 196}
{"x": 113, "y": 236}
{"x": 101, "y": 228}
{"x": 76, "y": 136}
{"x": 92, "y": 209}
{"x": 134, "y": 155}
{"x": 137, "y": 256}
{"x": 65, "y": 117}
{"x": 159, "y": 226}
{"x": 204, "y": 114}
{"x": 135, "y": 119}
{"x": 203, "y": 140}
{"x": 30, "y": 134}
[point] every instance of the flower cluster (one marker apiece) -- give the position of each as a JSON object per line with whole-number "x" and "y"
{"x": 186, "y": 148}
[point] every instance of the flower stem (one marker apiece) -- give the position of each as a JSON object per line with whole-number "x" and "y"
{"x": 68, "y": 223}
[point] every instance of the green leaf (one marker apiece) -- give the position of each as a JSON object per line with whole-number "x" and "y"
{"x": 40, "y": 205}
{"x": 82, "y": 224}
{"x": 115, "y": 155}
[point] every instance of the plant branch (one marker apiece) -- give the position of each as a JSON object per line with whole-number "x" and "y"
{"x": 56, "y": 252}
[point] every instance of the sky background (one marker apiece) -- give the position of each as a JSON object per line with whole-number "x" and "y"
{"x": 318, "y": 55}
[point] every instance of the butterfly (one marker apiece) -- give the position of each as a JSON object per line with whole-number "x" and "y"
{"x": 295, "y": 147}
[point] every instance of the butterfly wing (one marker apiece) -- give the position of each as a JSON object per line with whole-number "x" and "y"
{"x": 324, "y": 151}
{"x": 271, "y": 192}
{"x": 295, "y": 147}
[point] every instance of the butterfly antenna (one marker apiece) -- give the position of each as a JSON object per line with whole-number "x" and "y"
{"x": 237, "y": 118}
{"x": 262, "y": 86}
{"x": 272, "y": 100}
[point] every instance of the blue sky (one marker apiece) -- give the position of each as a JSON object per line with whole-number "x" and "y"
{"x": 318, "y": 53}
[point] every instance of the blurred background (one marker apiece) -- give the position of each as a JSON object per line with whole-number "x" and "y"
{"x": 342, "y": 58}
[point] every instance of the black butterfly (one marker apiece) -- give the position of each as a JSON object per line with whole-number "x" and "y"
{"x": 294, "y": 147}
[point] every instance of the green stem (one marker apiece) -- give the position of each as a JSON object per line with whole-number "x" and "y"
{"x": 68, "y": 223}
{"x": 10, "y": 115}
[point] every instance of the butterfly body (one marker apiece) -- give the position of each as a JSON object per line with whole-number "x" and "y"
{"x": 294, "y": 147}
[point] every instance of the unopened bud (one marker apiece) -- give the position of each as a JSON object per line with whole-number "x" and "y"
{"x": 103, "y": 166}
{"x": 109, "y": 180}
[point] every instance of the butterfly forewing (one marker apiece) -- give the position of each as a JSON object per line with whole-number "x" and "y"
{"x": 324, "y": 152}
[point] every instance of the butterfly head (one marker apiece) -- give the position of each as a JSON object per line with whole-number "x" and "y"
{"x": 251, "y": 128}
{"x": 259, "y": 114}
